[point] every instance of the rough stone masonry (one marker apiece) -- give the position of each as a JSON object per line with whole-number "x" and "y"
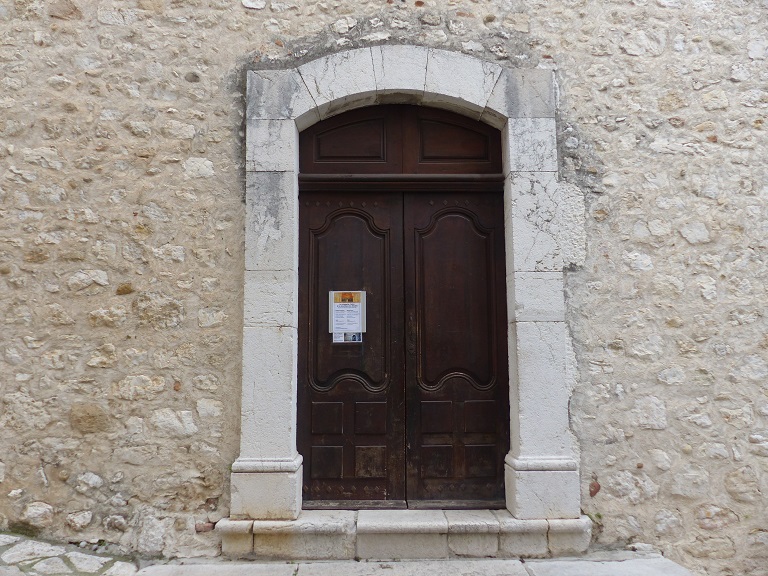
{"x": 121, "y": 254}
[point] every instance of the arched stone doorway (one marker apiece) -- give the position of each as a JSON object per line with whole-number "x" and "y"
{"x": 401, "y": 210}
{"x": 541, "y": 468}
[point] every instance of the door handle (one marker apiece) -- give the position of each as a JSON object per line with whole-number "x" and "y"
{"x": 411, "y": 344}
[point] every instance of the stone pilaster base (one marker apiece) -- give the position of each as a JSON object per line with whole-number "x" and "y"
{"x": 541, "y": 493}
{"x": 266, "y": 495}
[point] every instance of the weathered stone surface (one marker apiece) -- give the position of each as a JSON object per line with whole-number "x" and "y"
{"x": 757, "y": 544}
{"x": 691, "y": 482}
{"x": 139, "y": 387}
{"x": 711, "y": 517}
{"x": 198, "y": 168}
{"x": 159, "y": 310}
{"x": 635, "y": 487}
{"x": 667, "y": 522}
{"x": 115, "y": 522}
{"x": 86, "y": 562}
{"x": 78, "y": 521}
{"x": 88, "y": 481}
{"x": 121, "y": 569}
{"x": 64, "y": 10}
{"x": 174, "y": 423}
{"x": 38, "y": 514}
{"x": 742, "y": 485}
{"x": 88, "y": 418}
{"x": 650, "y": 413}
{"x": 51, "y": 566}
{"x": 58, "y": 315}
{"x": 22, "y": 412}
{"x": 151, "y": 539}
{"x": 717, "y": 547}
{"x": 28, "y": 549}
{"x": 84, "y": 278}
{"x": 104, "y": 356}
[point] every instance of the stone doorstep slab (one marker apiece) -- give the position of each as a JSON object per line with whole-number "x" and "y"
{"x": 412, "y": 534}
{"x": 402, "y": 534}
{"x": 315, "y": 534}
{"x": 652, "y": 565}
{"x": 635, "y": 565}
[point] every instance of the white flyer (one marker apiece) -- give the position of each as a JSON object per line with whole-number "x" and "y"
{"x": 346, "y": 315}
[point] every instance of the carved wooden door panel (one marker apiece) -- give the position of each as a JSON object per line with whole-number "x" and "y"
{"x": 403, "y": 203}
{"x": 456, "y": 384}
{"x": 350, "y": 410}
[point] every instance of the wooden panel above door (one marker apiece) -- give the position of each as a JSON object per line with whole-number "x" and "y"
{"x": 400, "y": 139}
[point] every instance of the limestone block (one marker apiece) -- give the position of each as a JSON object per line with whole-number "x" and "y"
{"x": 271, "y": 221}
{"x": 269, "y": 392}
{"x": 540, "y": 420}
{"x": 459, "y": 82}
{"x": 198, "y": 168}
{"x": 139, "y": 387}
{"x": 424, "y": 568}
{"x": 266, "y": 495}
{"x": 89, "y": 417}
{"x": 521, "y": 538}
{"x": 473, "y": 533}
{"x": 401, "y": 534}
{"x": 236, "y": 536}
{"x": 222, "y": 569}
{"x": 314, "y": 535}
{"x": 38, "y": 514}
{"x": 271, "y": 145}
{"x": 537, "y": 296}
{"x": 521, "y": 93}
{"x": 643, "y": 566}
{"x": 86, "y": 562}
{"x": 29, "y": 549}
{"x": 121, "y": 569}
{"x": 280, "y": 95}
{"x": 7, "y": 539}
{"x": 173, "y": 423}
{"x": 271, "y": 298}
{"x": 51, "y": 566}
{"x": 533, "y": 494}
{"x": 341, "y": 81}
{"x": 78, "y": 521}
{"x": 159, "y": 310}
{"x": 400, "y": 70}
{"x": 530, "y": 145}
{"x": 569, "y": 536}
{"x": 532, "y": 213}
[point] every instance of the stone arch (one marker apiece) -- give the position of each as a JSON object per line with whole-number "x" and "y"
{"x": 542, "y": 478}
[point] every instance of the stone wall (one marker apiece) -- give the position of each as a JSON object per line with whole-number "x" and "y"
{"x": 121, "y": 254}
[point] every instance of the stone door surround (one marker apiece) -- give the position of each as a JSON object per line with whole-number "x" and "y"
{"x": 541, "y": 469}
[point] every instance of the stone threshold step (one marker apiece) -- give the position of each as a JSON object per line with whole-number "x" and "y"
{"x": 620, "y": 565}
{"x": 403, "y": 534}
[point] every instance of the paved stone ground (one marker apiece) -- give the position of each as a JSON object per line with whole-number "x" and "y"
{"x": 614, "y": 565}
{"x": 24, "y": 556}
{"x": 19, "y": 555}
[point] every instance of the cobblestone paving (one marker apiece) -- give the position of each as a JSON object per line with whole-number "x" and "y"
{"x": 25, "y": 556}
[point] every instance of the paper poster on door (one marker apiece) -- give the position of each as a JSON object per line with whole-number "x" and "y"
{"x": 346, "y": 314}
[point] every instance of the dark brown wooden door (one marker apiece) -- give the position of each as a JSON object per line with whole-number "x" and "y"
{"x": 417, "y": 413}
{"x": 456, "y": 363}
{"x": 351, "y": 404}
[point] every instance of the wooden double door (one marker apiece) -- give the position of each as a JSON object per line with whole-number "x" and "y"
{"x": 416, "y": 412}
